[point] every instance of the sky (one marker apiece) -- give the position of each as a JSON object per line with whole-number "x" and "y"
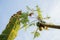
{"x": 48, "y": 7}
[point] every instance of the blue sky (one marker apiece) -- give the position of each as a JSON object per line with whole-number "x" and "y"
{"x": 50, "y": 7}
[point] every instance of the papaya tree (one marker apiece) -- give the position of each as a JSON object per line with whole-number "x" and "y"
{"x": 21, "y": 20}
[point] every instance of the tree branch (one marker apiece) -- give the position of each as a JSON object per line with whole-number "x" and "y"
{"x": 51, "y": 26}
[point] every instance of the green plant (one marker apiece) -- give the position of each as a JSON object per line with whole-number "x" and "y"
{"x": 21, "y": 18}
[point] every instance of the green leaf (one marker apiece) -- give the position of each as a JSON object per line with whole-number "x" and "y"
{"x": 25, "y": 27}
{"x": 39, "y": 13}
{"x": 28, "y": 8}
{"x": 37, "y": 34}
{"x": 24, "y": 18}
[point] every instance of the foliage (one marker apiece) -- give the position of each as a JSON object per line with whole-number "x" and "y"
{"x": 39, "y": 13}
{"x": 15, "y": 22}
{"x": 36, "y": 34}
{"x": 11, "y": 29}
{"x": 24, "y": 18}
